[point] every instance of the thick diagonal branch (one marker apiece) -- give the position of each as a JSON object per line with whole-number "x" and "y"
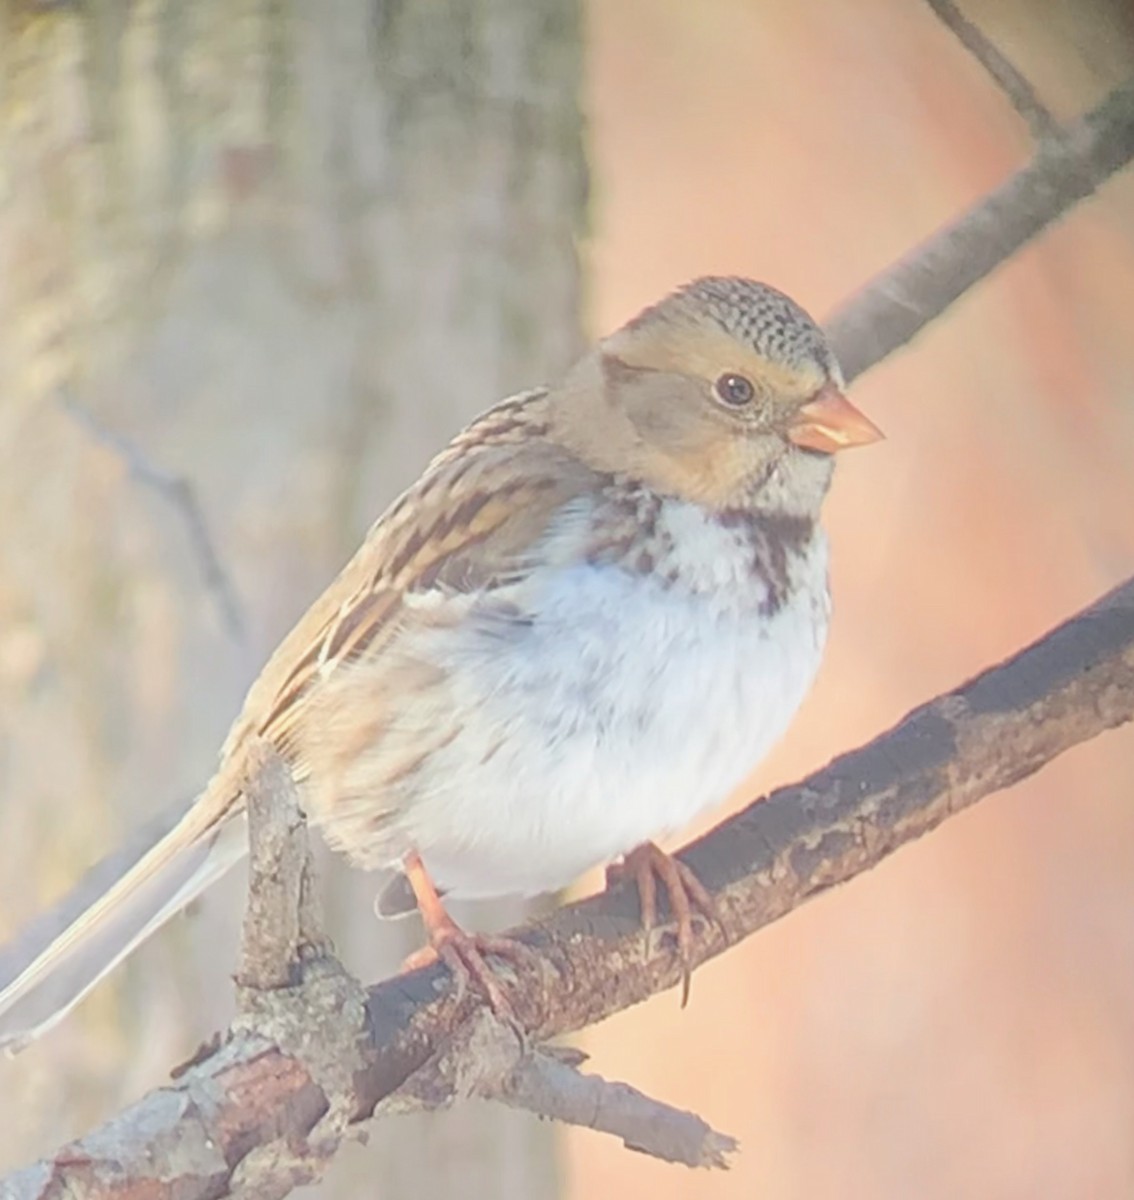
{"x": 904, "y": 299}
{"x": 255, "y": 1116}
{"x": 258, "y": 1118}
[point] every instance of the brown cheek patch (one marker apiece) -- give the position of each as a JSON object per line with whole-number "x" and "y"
{"x": 689, "y": 446}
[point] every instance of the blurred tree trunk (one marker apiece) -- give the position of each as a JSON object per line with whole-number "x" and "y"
{"x": 286, "y": 249}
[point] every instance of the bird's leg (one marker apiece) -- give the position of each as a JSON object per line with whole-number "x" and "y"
{"x": 463, "y": 953}
{"x": 646, "y": 865}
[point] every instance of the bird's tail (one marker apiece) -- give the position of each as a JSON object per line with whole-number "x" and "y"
{"x": 208, "y": 840}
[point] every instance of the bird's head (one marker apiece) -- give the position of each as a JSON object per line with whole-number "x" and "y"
{"x": 725, "y": 393}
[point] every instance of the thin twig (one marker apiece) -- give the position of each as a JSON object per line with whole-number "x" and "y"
{"x": 281, "y": 921}
{"x": 904, "y": 299}
{"x": 179, "y": 494}
{"x": 485, "y": 1058}
{"x": 550, "y": 1088}
{"x": 1007, "y": 77}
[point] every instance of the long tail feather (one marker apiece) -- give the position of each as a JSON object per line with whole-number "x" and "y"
{"x": 196, "y": 852}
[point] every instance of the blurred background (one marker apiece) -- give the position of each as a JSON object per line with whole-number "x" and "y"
{"x": 288, "y": 250}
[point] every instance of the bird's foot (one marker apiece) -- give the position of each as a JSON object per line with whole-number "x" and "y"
{"x": 462, "y": 952}
{"x": 465, "y": 954}
{"x": 646, "y": 865}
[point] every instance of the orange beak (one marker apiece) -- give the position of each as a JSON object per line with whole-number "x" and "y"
{"x": 831, "y": 422}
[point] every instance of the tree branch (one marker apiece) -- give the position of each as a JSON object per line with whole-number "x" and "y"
{"x": 485, "y": 1058}
{"x": 281, "y": 922}
{"x": 179, "y": 494}
{"x": 889, "y": 311}
{"x": 305, "y": 1065}
{"x": 259, "y": 1115}
{"x": 551, "y": 1088}
{"x": 1007, "y": 77}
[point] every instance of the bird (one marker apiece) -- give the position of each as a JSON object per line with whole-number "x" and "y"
{"x": 585, "y": 623}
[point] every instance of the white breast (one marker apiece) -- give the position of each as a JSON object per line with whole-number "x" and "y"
{"x": 622, "y": 710}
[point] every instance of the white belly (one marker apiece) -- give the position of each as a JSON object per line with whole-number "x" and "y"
{"x": 621, "y": 713}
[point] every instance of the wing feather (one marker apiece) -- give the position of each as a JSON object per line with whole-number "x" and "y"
{"x": 471, "y": 523}
{"x": 467, "y": 526}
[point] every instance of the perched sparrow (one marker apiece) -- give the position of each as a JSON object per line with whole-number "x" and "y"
{"x": 582, "y": 626}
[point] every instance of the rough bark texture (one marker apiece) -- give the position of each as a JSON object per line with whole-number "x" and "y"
{"x": 287, "y": 250}
{"x": 275, "y": 1114}
{"x": 265, "y": 1111}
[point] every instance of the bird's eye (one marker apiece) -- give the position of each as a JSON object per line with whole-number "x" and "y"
{"x": 735, "y": 390}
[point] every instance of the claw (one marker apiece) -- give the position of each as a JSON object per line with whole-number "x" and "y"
{"x": 463, "y": 953}
{"x": 647, "y": 864}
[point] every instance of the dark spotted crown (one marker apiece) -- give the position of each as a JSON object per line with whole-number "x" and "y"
{"x": 767, "y": 320}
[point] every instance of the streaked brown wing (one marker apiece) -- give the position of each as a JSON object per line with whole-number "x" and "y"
{"x": 464, "y": 526}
